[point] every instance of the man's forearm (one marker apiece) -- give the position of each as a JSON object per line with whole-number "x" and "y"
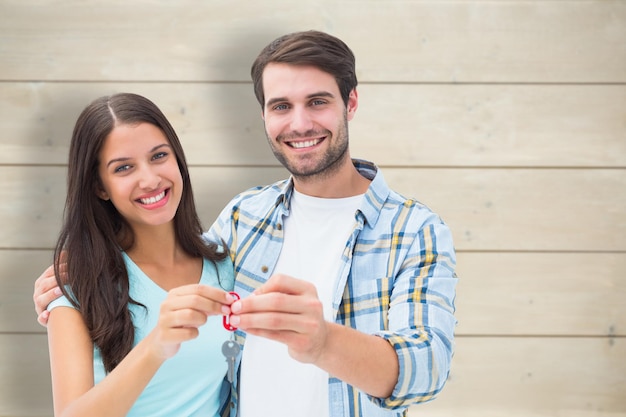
{"x": 365, "y": 361}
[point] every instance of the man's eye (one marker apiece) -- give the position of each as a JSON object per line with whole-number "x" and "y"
{"x": 280, "y": 107}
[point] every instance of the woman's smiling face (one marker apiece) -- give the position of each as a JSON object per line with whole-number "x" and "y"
{"x": 140, "y": 175}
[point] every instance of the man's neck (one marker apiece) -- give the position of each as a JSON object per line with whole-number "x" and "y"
{"x": 345, "y": 181}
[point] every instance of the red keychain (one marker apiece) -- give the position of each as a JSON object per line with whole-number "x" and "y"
{"x": 226, "y": 319}
{"x": 230, "y": 348}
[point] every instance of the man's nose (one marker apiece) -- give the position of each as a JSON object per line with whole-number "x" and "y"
{"x": 301, "y": 120}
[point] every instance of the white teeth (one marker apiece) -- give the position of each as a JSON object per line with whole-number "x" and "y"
{"x": 154, "y": 199}
{"x": 305, "y": 144}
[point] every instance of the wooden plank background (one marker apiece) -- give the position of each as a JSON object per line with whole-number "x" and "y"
{"x": 508, "y": 118}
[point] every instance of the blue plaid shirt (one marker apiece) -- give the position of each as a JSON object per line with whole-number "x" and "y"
{"x": 397, "y": 281}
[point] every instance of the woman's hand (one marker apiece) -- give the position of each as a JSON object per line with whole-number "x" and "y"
{"x": 184, "y": 310}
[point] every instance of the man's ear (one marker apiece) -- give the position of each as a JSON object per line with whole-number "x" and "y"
{"x": 353, "y": 104}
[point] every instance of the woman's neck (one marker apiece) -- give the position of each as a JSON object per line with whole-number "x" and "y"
{"x": 159, "y": 255}
{"x": 155, "y": 245}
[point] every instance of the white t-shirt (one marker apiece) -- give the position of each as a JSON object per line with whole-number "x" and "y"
{"x": 272, "y": 383}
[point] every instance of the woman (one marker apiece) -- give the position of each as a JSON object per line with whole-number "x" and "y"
{"x": 138, "y": 331}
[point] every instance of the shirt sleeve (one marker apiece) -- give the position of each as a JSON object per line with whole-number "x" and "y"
{"x": 62, "y": 301}
{"x": 421, "y": 318}
{"x": 223, "y": 228}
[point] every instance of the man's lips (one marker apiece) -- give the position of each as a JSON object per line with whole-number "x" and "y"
{"x": 304, "y": 143}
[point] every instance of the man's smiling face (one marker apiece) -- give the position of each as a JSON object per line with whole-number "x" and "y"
{"x": 306, "y": 121}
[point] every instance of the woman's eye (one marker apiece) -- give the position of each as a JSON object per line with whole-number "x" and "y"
{"x": 122, "y": 168}
{"x": 159, "y": 155}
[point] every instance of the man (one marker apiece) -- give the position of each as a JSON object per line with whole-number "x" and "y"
{"x": 347, "y": 288}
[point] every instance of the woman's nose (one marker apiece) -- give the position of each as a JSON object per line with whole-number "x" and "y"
{"x": 150, "y": 179}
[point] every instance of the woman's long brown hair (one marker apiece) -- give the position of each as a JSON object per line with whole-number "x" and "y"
{"x": 94, "y": 233}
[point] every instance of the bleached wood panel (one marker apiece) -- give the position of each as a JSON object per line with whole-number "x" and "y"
{"x": 541, "y": 294}
{"x": 25, "y": 386}
{"x": 18, "y": 271}
{"x": 499, "y": 294}
{"x": 396, "y": 125}
{"x": 505, "y": 117}
{"x": 533, "y": 377}
{"x": 491, "y": 125}
{"x": 37, "y": 196}
{"x": 395, "y": 40}
{"x": 493, "y": 377}
{"x": 487, "y": 209}
{"x": 218, "y": 124}
{"x": 523, "y": 209}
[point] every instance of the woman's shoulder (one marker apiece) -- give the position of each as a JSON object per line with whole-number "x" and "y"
{"x": 62, "y": 301}
{"x": 219, "y": 273}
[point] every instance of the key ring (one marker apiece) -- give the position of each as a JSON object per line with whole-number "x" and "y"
{"x": 226, "y": 319}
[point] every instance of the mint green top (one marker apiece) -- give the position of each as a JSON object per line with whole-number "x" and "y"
{"x": 189, "y": 383}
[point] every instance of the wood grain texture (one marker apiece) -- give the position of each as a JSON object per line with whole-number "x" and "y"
{"x": 507, "y": 118}
{"x": 18, "y": 271}
{"x": 537, "y": 377}
{"x": 499, "y": 294}
{"x": 541, "y": 294}
{"x": 487, "y": 209}
{"x": 395, "y": 40}
{"x": 395, "y": 125}
{"x": 25, "y": 384}
{"x": 509, "y": 376}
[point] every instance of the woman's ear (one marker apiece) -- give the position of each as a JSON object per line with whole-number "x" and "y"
{"x": 103, "y": 195}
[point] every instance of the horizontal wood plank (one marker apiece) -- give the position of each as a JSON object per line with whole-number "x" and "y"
{"x": 542, "y": 293}
{"x": 498, "y": 294}
{"x": 533, "y": 377}
{"x": 491, "y": 125}
{"x": 536, "y": 377}
{"x": 25, "y": 384}
{"x": 523, "y": 209}
{"x": 18, "y": 271}
{"x": 218, "y": 124}
{"x": 505, "y": 117}
{"x": 487, "y": 209}
{"x": 396, "y": 40}
{"x": 395, "y": 125}
{"x": 37, "y": 196}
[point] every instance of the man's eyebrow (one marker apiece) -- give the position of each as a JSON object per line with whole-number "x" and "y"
{"x": 321, "y": 94}
{"x": 273, "y": 101}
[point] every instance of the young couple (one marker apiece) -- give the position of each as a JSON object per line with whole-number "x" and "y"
{"x": 347, "y": 288}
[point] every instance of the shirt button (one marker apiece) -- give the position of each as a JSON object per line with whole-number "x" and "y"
{"x": 279, "y": 226}
{"x": 264, "y": 269}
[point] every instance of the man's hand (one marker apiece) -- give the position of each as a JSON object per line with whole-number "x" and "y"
{"x": 287, "y": 310}
{"x": 46, "y": 290}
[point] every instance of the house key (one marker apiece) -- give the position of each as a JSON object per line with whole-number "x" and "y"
{"x": 230, "y": 348}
